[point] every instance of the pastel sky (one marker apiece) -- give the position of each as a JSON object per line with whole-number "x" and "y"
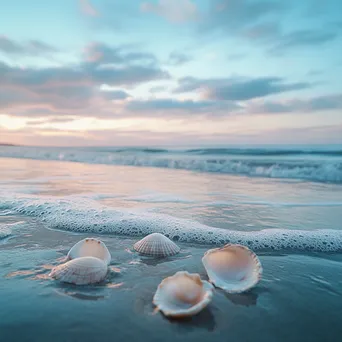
{"x": 170, "y": 72}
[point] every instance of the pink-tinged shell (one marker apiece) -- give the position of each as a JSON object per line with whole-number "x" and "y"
{"x": 182, "y": 295}
{"x": 90, "y": 247}
{"x": 156, "y": 245}
{"x": 81, "y": 271}
{"x": 233, "y": 268}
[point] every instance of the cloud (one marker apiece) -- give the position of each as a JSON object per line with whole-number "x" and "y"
{"x": 267, "y": 22}
{"x": 168, "y": 104}
{"x": 101, "y": 53}
{"x": 237, "y": 89}
{"x": 115, "y": 95}
{"x": 49, "y": 120}
{"x": 231, "y": 16}
{"x": 173, "y": 107}
{"x": 314, "y": 104}
{"x": 262, "y": 32}
{"x": 158, "y": 89}
{"x": 176, "y": 11}
{"x": 77, "y": 87}
{"x": 52, "y": 137}
{"x": 79, "y": 76}
{"x": 88, "y": 9}
{"x": 179, "y": 58}
{"x": 30, "y": 48}
{"x": 303, "y": 39}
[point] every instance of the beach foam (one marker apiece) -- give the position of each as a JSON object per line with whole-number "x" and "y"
{"x": 87, "y": 216}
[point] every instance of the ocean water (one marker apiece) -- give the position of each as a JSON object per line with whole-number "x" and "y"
{"x": 285, "y": 204}
{"x": 323, "y": 164}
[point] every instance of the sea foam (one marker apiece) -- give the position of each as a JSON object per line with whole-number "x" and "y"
{"x": 87, "y": 216}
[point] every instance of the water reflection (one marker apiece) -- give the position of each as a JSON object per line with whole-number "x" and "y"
{"x": 204, "y": 320}
{"x": 80, "y": 295}
{"x": 19, "y": 273}
{"x": 153, "y": 261}
{"x": 244, "y": 299}
{"x": 249, "y": 298}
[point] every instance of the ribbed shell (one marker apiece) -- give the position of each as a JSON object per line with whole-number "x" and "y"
{"x": 233, "y": 268}
{"x": 156, "y": 245}
{"x": 90, "y": 247}
{"x": 182, "y": 295}
{"x": 81, "y": 271}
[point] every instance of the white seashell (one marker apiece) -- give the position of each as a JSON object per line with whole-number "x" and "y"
{"x": 90, "y": 247}
{"x": 157, "y": 245}
{"x": 81, "y": 271}
{"x": 182, "y": 295}
{"x": 233, "y": 268}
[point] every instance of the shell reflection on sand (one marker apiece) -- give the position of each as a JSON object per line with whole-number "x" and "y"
{"x": 233, "y": 268}
{"x": 182, "y": 295}
{"x": 20, "y": 273}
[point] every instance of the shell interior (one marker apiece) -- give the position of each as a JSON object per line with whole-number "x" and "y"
{"x": 81, "y": 271}
{"x": 234, "y": 268}
{"x": 182, "y": 294}
{"x": 90, "y": 247}
{"x": 156, "y": 245}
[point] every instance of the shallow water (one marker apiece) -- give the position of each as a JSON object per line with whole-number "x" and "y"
{"x": 298, "y": 299}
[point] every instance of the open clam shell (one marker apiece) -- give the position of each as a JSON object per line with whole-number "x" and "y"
{"x": 81, "y": 271}
{"x": 233, "y": 268}
{"x": 182, "y": 295}
{"x": 156, "y": 245}
{"x": 90, "y": 247}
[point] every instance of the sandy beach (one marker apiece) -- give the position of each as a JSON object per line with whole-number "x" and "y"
{"x": 298, "y": 299}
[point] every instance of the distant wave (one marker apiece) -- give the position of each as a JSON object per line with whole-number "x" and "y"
{"x": 263, "y": 152}
{"x": 260, "y": 164}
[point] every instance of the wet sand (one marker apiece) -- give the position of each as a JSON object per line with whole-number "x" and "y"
{"x": 298, "y": 299}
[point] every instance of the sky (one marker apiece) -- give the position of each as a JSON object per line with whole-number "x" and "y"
{"x": 170, "y": 72}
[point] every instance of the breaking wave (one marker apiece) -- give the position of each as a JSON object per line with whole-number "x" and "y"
{"x": 312, "y": 165}
{"x": 84, "y": 215}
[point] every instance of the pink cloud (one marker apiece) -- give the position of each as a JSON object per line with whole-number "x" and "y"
{"x": 88, "y": 9}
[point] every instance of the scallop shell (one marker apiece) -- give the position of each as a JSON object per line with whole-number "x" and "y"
{"x": 233, "y": 268}
{"x": 182, "y": 295}
{"x": 156, "y": 245}
{"x": 90, "y": 247}
{"x": 81, "y": 271}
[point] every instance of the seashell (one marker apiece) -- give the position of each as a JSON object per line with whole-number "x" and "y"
{"x": 90, "y": 247}
{"x": 233, "y": 268}
{"x": 182, "y": 295}
{"x": 157, "y": 245}
{"x": 81, "y": 271}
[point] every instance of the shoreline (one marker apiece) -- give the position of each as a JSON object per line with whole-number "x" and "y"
{"x": 126, "y": 296}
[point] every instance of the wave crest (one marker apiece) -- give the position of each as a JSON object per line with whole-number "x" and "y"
{"x": 320, "y": 170}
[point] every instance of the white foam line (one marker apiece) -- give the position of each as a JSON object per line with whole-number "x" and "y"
{"x": 87, "y": 216}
